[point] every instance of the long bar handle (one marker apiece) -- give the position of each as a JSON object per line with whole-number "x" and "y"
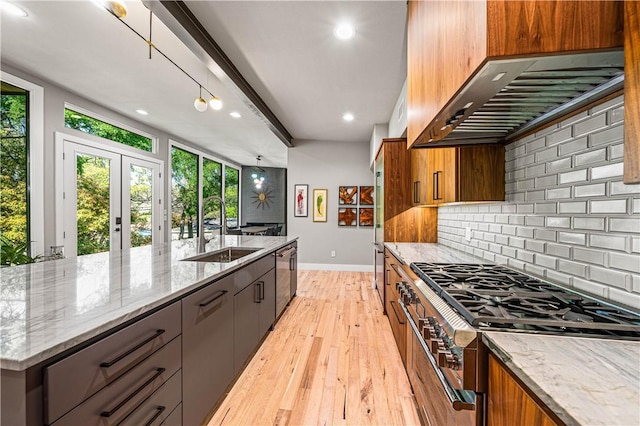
{"x": 159, "y": 410}
{"x": 416, "y": 192}
{"x": 396, "y": 312}
{"x": 108, "y": 364}
{"x": 437, "y": 180}
{"x": 213, "y": 299}
{"x": 109, "y": 413}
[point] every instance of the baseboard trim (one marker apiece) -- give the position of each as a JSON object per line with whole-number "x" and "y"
{"x": 335, "y": 267}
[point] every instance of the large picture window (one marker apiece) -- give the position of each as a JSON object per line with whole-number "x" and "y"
{"x": 211, "y": 187}
{"x": 232, "y": 195}
{"x": 184, "y": 194}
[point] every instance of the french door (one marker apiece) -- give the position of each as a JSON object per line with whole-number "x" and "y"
{"x": 111, "y": 200}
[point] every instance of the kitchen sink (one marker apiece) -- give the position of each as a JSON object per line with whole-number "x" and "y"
{"x": 227, "y": 254}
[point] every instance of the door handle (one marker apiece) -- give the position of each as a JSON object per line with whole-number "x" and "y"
{"x": 416, "y": 193}
{"x": 437, "y": 181}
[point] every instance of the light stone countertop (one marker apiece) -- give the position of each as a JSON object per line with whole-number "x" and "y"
{"x": 48, "y": 307}
{"x": 585, "y": 381}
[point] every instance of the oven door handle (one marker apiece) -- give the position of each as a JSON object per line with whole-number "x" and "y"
{"x": 454, "y": 399}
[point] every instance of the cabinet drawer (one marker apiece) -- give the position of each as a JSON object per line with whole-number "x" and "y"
{"x": 158, "y": 406}
{"x": 253, "y": 271}
{"x": 72, "y": 380}
{"x": 121, "y": 399}
{"x": 175, "y": 418}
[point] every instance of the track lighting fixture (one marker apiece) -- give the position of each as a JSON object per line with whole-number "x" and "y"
{"x": 118, "y": 9}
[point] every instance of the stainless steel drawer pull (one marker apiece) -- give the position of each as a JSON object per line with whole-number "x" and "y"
{"x": 213, "y": 299}
{"x": 108, "y": 364}
{"x": 159, "y": 411}
{"x": 109, "y": 413}
{"x": 393, "y": 305}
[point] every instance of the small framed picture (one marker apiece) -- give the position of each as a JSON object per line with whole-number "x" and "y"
{"x": 319, "y": 205}
{"x": 347, "y": 195}
{"x": 366, "y": 217}
{"x": 347, "y": 217}
{"x": 366, "y": 195}
{"x": 301, "y": 200}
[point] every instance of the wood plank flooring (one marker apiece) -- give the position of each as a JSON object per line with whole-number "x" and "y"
{"x": 331, "y": 359}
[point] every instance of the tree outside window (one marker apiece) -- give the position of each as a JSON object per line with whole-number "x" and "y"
{"x": 231, "y": 195}
{"x": 184, "y": 194}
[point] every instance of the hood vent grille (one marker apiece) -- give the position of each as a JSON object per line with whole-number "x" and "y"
{"x": 508, "y": 98}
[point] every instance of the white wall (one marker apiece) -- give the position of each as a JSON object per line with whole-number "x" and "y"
{"x": 398, "y": 120}
{"x": 328, "y": 165}
{"x": 380, "y": 131}
{"x": 567, "y": 217}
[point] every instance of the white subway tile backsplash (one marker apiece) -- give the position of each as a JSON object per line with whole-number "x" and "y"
{"x": 567, "y": 215}
{"x": 626, "y": 262}
{"x": 594, "y": 190}
{"x": 591, "y": 223}
{"x": 630, "y": 225}
{"x": 608, "y": 206}
{"x": 609, "y": 171}
{"x": 609, "y": 277}
{"x": 573, "y": 147}
{"x": 590, "y": 157}
{"x": 608, "y": 241}
{"x": 613, "y": 134}
{"x": 590, "y": 125}
{"x": 572, "y": 268}
{"x": 574, "y": 176}
{"x": 572, "y": 238}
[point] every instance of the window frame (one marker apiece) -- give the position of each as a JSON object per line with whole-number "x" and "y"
{"x": 35, "y": 160}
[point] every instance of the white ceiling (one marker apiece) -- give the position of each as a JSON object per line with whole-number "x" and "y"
{"x": 286, "y": 50}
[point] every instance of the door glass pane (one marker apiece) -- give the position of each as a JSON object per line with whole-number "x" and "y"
{"x": 184, "y": 194}
{"x": 93, "y": 203}
{"x": 211, "y": 186}
{"x": 141, "y": 205}
{"x": 231, "y": 194}
{"x": 14, "y": 225}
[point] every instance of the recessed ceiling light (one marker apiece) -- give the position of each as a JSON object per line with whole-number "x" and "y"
{"x": 348, "y": 117}
{"x": 235, "y": 114}
{"x": 344, "y": 31}
{"x": 142, "y": 112}
{"x": 12, "y": 9}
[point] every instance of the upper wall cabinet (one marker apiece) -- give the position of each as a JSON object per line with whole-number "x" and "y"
{"x": 493, "y": 70}
{"x": 632, "y": 92}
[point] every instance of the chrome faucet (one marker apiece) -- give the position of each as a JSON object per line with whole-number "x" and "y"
{"x": 223, "y": 221}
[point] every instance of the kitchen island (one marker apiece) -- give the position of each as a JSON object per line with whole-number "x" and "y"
{"x": 580, "y": 380}
{"x": 54, "y": 310}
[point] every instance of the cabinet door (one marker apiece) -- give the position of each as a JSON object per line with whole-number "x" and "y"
{"x": 267, "y": 302}
{"x": 441, "y": 186}
{"x": 245, "y": 324}
{"x": 207, "y": 335}
{"x": 631, "y": 91}
{"x": 420, "y": 176}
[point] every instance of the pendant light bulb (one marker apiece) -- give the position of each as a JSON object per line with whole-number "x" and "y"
{"x": 215, "y": 103}
{"x": 200, "y": 104}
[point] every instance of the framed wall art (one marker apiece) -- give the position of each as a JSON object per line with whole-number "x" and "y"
{"x": 319, "y": 205}
{"x": 347, "y": 195}
{"x": 366, "y": 195}
{"x": 347, "y": 217}
{"x": 301, "y": 200}
{"x": 365, "y": 216}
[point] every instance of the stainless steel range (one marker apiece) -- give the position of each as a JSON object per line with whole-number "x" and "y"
{"x": 449, "y": 305}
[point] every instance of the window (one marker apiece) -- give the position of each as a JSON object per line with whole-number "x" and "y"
{"x": 184, "y": 194}
{"x": 76, "y": 120}
{"x": 231, "y": 195}
{"x": 211, "y": 186}
{"x": 14, "y": 174}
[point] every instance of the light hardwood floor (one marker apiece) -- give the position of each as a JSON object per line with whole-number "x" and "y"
{"x": 331, "y": 359}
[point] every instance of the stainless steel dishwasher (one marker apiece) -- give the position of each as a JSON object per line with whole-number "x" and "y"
{"x": 284, "y": 270}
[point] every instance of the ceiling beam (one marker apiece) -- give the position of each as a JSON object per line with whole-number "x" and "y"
{"x": 183, "y": 23}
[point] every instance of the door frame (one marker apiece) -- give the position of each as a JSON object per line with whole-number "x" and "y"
{"x": 60, "y": 137}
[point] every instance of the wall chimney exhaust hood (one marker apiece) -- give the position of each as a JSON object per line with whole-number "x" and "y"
{"x": 508, "y": 98}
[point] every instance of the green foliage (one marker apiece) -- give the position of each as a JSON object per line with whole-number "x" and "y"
{"x": 84, "y": 123}
{"x": 13, "y": 167}
{"x": 141, "y": 205}
{"x": 231, "y": 191}
{"x": 211, "y": 183}
{"x": 93, "y": 204}
{"x": 184, "y": 191}
{"x": 14, "y": 252}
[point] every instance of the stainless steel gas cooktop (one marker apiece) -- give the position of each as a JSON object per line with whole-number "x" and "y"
{"x": 497, "y": 297}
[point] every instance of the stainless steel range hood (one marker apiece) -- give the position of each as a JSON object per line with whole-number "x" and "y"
{"x": 508, "y": 98}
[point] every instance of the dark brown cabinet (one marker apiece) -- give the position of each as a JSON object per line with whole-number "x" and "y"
{"x": 631, "y": 91}
{"x": 508, "y": 403}
{"x": 207, "y": 339}
{"x": 449, "y": 43}
{"x": 458, "y": 174}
